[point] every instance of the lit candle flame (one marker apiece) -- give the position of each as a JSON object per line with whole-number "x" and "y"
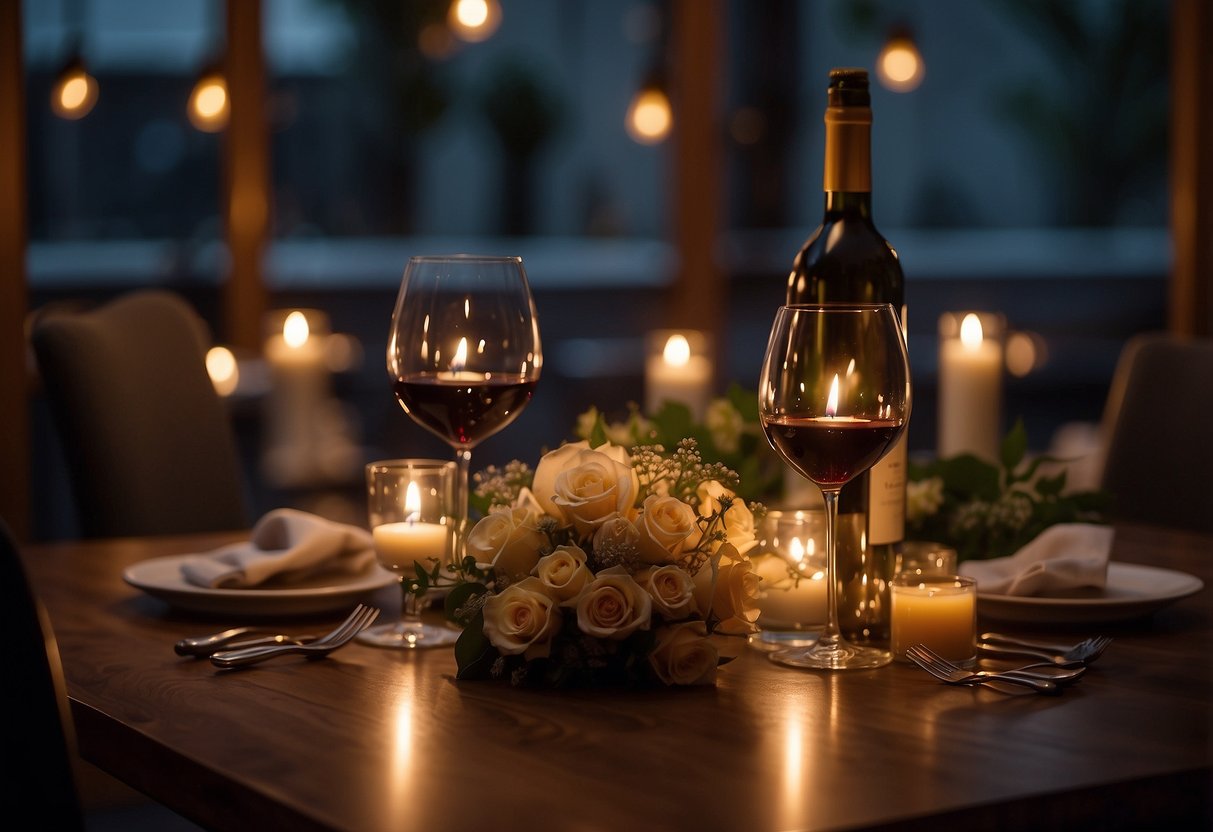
{"x": 295, "y": 330}
{"x": 796, "y": 550}
{"x": 412, "y": 503}
{"x": 221, "y": 366}
{"x": 677, "y": 352}
{"x": 832, "y": 400}
{"x": 461, "y": 356}
{"x": 970, "y": 332}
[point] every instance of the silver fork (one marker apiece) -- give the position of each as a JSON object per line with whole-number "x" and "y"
{"x": 1085, "y": 652}
{"x": 356, "y": 622}
{"x": 944, "y": 670}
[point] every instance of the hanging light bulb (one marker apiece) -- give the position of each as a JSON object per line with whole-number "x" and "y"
{"x": 900, "y": 66}
{"x": 650, "y": 117}
{"x": 74, "y": 92}
{"x": 474, "y": 20}
{"x": 208, "y": 104}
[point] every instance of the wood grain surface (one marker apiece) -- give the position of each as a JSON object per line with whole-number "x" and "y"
{"x": 373, "y": 739}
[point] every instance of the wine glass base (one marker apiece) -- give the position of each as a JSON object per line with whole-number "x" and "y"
{"x": 832, "y": 655}
{"x": 401, "y": 636}
{"x": 768, "y": 641}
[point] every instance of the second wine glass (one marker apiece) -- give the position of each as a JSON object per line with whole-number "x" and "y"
{"x": 834, "y": 397}
{"x": 463, "y": 353}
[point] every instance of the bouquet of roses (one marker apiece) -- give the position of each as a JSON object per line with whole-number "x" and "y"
{"x": 602, "y": 566}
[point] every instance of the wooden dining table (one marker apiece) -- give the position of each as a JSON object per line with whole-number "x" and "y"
{"x": 376, "y": 739}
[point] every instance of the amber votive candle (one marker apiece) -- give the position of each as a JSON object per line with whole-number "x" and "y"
{"x": 939, "y": 611}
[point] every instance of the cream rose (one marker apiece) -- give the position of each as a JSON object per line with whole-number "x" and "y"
{"x": 509, "y": 540}
{"x": 593, "y": 490}
{"x": 664, "y": 524}
{"x": 563, "y": 573}
{"x": 613, "y": 606}
{"x": 617, "y": 538}
{"x": 740, "y": 528}
{"x": 522, "y": 618}
{"x": 684, "y": 655}
{"x": 733, "y": 596}
{"x": 671, "y": 588}
{"x": 588, "y": 495}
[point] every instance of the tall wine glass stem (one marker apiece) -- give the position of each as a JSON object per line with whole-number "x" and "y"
{"x": 410, "y": 613}
{"x": 832, "y": 633}
{"x": 463, "y": 456}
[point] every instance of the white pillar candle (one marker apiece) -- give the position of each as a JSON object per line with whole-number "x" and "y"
{"x": 678, "y": 369}
{"x": 400, "y": 545}
{"x": 970, "y": 386}
{"x": 939, "y": 612}
{"x": 300, "y": 383}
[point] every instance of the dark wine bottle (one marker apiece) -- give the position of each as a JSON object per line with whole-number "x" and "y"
{"x": 846, "y": 259}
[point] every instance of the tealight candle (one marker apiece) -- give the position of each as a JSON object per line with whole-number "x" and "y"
{"x": 970, "y": 385}
{"x": 401, "y": 544}
{"x": 456, "y": 374}
{"x": 939, "y": 611}
{"x": 790, "y": 598}
{"x": 678, "y": 369}
{"x": 790, "y": 561}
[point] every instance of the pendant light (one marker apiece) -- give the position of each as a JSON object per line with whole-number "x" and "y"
{"x": 474, "y": 20}
{"x": 208, "y": 103}
{"x": 74, "y": 93}
{"x": 899, "y": 66}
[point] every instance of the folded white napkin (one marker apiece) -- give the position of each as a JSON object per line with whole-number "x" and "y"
{"x": 286, "y": 545}
{"x": 1062, "y": 557}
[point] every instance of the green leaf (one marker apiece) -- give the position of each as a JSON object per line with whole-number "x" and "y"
{"x": 598, "y": 436}
{"x": 474, "y": 653}
{"x": 458, "y": 597}
{"x": 422, "y": 581}
{"x": 1014, "y": 446}
{"x": 745, "y": 400}
{"x": 673, "y": 422}
{"x": 1051, "y": 486}
{"x": 968, "y": 475}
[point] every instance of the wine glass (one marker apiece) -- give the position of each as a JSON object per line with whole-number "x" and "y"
{"x": 463, "y": 354}
{"x": 834, "y": 397}
{"x": 409, "y": 505}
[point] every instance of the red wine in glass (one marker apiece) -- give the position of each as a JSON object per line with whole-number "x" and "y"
{"x": 828, "y": 450}
{"x": 834, "y": 397}
{"x": 463, "y": 411}
{"x": 463, "y": 354}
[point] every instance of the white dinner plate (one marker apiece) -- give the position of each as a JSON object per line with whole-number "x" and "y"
{"x": 1132, "y": 591}
{"x": 162, "y": 578}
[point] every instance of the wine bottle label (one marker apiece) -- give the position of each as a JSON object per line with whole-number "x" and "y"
{"x": 887, "y": 497}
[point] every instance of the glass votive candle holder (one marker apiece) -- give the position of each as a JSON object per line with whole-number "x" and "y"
{"x": 926, "y": 557}
{"x": 790, "y": 560}
{"x": 938, "y": 611}
{"x": 410, "y": 508}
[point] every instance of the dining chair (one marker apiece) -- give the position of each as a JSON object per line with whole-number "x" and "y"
{"x": 1157, "y": 419}
{"x": 38, "y": 736}
{"x": 149, "y": 445}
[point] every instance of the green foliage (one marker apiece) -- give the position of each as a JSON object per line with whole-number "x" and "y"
{"x": 986, "y": 510}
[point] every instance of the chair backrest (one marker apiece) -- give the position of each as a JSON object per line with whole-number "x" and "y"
{"x": 38, "y": 738}
{"x": 1159, "y": 449}
{"x": 148, "y": 441}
